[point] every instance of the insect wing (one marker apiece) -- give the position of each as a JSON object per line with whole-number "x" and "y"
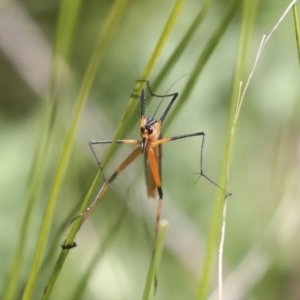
{"x": 151, "y": 186}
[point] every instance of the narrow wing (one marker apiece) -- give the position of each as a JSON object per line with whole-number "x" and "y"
{"x": 151, "y": 186}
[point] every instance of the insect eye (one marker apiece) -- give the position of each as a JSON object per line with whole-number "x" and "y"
{"x": 148, "y": 129}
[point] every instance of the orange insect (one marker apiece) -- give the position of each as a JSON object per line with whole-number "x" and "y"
{"x": 150, "y": 147}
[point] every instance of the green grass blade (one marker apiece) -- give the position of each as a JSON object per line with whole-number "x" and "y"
{"x": 61, "y": 55}
{"x": 163, "y": 39}
{"x": 297, "y": 30}
{"x": 108, "y": 29}
{"x": 207, "y": 52}
{"x": 183, "y": 44}
{"x": 11, "y": 282}
{"x": 249, "y": 12}
{"x": 64, "y": 253}
{"x": 156, "y": 258}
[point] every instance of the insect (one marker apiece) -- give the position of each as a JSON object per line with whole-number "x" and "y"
{"x": 150, "y": 146}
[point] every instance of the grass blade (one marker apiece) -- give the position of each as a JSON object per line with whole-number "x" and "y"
{"x": 108, "y": 29}
{"x": 61, "y": 54}
{"x": 155, "y": 261}
{"x": 214, "y": 234}
{"x": 207, "y": 52}
{"x": 183, "y": 43}
{"x": 297, "y": 31}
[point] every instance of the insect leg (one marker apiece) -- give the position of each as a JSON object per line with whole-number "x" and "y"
{"x": 92, "y": 143}
{"x": 106, "y": 183}
{"x": 179, "y": 137}
{"x": 174, "y": 96}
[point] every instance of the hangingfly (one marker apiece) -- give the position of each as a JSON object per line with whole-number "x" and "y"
{"x": 150, "y": 146}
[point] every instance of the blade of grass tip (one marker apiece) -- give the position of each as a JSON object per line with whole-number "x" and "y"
{"x": 145, "y": 75}
{"x": 108, "y": 29}
{"x": 296, "y": 21}
{"x": 66, "y": 25}
{"x": 203, "y": 58}
{"x": 182, "y": 44}
{"x": 155, "y": 261}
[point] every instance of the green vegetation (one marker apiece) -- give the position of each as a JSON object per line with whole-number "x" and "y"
{"x": 68, "y": 71}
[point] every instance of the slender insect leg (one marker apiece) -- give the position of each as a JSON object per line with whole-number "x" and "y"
{"x": 179, "y": 137}
{"x": 226, "y": 193}
{"x": 92, "y": 143}
{"x": 142, "y": 97}
{"x": 174, "y": 96}
{"x": 107, "y": 183}
{"x": 150, "y": 91}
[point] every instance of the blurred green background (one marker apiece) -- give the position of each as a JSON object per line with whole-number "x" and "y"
{"x": 261, "y": 253}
